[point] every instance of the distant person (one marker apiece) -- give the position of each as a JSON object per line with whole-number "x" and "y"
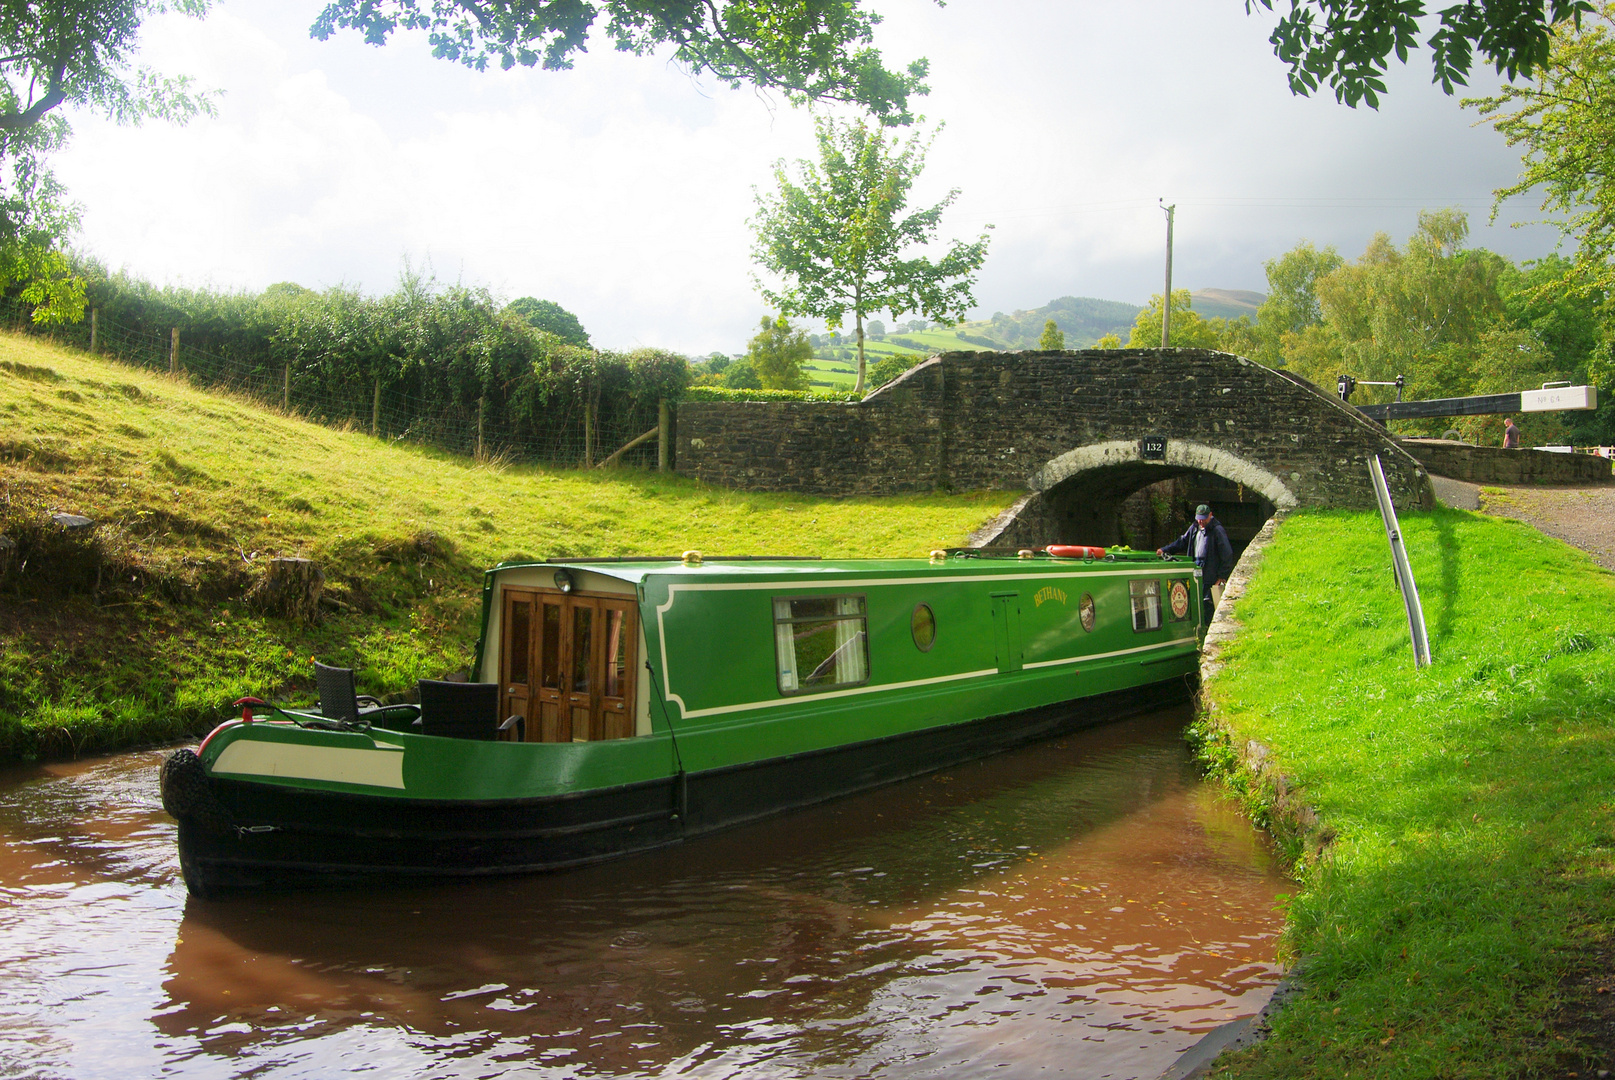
{"x": 1207, "y": 542}
{"x": 1511, "y": 435}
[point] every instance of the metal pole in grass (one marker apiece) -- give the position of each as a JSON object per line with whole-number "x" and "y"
{"x": 1403, "y": 569}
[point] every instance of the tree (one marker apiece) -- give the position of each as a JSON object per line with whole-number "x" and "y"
{"x": 839, "y": 239}
{"x": 740, "y": 375}
{"x": 1053, "y": 339}
{"x": 1189, "y": 330}
{"x": 550, "y": 317}
{"x": 1418, "y": 312}
{"x": 820, "y": 49}
{"x": 876, "y": 329}
{"x": 72, "y": 52}
{"x": 1565, "y": 121}
{"x": 811, "y": 50}
{"x": 1348, "y": 43}
{"x": 80, "y": 52}
{"x": 890, "y": 367}
{"x": 1292, "y": 298}
{"x": 1452, "y": 321}
{"x": 777, "y": 352}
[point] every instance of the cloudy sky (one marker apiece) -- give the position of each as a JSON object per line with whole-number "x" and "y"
{"x": 621, "y": 189}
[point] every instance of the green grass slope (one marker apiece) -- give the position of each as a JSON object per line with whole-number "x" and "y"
{"x": 1463, "y": 858}
{"x": 137, "y": 630}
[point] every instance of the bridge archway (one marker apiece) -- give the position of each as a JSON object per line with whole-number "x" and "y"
{"x": 1106, "y": 494}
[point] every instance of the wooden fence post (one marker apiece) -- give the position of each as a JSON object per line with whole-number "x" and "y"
{"x": 286, "y": 388}
{"x": 664, "y": 434}
{"x": 95, "y": 337}
{"x": 588, "y": 433}
{"x": 482, "y": 406}
{"x": 173, "y": 351}
{"x": 375, "y": 412}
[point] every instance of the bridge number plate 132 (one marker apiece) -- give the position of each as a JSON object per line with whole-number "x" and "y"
{"x": 1152, "y": 446}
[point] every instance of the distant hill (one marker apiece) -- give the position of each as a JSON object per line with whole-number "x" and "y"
{"x": 1226, "y": 303}
{"x": 1083, "y": 320}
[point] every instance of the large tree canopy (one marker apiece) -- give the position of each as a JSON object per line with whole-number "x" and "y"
{"x": 67, "y": 52}
{"x": 821, "y": 49}
{"x": 1349, "y": 43}
{"x": 551, "y": 317}
{"x": 807, "y": 49}
{"x": 1565, "y": 123}
{"x": 80, "y": 52}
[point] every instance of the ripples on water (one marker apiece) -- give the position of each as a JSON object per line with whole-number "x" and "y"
{"x": 1084, "y": 907}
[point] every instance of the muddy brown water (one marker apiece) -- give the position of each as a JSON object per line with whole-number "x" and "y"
{"x": 1086, "y": 907}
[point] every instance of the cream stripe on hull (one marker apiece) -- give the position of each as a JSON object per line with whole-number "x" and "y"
{"x": 382, "y": 767}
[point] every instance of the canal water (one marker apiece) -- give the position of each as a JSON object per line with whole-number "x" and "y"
{"x": 1086, "y": 907}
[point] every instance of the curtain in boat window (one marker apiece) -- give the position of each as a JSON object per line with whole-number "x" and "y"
{"x": 1146, "y": 596}
{"x": 851, "y": 662}
{"x": 820, "y": 642}
{"x": 785, "y": 647}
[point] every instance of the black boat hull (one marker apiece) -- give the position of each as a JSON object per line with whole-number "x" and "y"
{"x": 236, "y": 834}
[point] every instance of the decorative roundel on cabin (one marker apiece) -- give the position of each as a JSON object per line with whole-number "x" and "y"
{"x": 1180, "y": 600}
{"x": 923, "y": 625}
{"x": 1085, "y": 610}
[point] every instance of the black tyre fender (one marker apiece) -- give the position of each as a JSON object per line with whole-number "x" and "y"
{"x": 187, "y": 796}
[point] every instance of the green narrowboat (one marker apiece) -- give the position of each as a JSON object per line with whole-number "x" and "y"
{"x": 665, "y": 698}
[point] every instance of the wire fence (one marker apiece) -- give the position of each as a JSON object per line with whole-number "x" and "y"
{"x": 580, "y": 425}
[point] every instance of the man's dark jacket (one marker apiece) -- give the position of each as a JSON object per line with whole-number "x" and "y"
{"x": 1219, "y": 552}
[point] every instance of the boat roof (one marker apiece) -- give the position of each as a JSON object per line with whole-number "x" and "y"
{"x": 963, "y": 561}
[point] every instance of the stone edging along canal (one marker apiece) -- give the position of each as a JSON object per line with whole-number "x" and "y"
{"x": 1289, "y": 815}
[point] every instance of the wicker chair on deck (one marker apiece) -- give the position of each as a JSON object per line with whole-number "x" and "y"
{"x": 460, "y": 710}
{"x": 340, "y": 700}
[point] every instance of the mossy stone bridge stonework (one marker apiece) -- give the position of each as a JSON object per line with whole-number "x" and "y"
{"x": 1082, "y": 432}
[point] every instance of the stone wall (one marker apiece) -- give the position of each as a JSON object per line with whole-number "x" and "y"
{"x": 1035, "y": 420}
{"x": 1491, "y": 465}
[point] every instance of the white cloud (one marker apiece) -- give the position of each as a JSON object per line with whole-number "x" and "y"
{"x": 621, "y": 189}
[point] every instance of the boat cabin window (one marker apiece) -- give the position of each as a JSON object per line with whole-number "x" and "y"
{"x": 1146, "y": 603}
{"x": 568, "y": 664}
{"x": 1085, "y": 609}
{"x": 821, "y": 642}
{"x": 922, "y": 624}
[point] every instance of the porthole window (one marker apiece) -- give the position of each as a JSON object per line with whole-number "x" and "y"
{"x": 1085, "y": 611}
{"x": 923, "y": 625}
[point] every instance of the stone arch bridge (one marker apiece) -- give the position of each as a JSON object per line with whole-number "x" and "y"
{"x": 1110, "y": 445}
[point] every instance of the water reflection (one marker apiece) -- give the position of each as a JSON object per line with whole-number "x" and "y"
{"x": 1083, "y": 907}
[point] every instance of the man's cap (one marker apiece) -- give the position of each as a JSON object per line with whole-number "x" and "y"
{"x": 1202, "y": 510}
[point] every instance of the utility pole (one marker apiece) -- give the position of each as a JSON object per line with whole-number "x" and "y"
{"x": 1166, "y": 298}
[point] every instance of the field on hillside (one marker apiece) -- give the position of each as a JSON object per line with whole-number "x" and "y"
{"x": 136, "y": 630}
{"x": 842, "y": 374}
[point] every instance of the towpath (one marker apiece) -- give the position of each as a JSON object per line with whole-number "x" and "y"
{"x": 1583, "y": 517}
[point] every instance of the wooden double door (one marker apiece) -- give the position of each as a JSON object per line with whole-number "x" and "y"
{"x": 567, "y": 664}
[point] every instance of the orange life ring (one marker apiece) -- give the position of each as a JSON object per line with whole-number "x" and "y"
{"x": 1075, "y": 551}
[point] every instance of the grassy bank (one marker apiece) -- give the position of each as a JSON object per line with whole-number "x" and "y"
{"x": 1461, "y": 866}
{"x": 136, "y": 630}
